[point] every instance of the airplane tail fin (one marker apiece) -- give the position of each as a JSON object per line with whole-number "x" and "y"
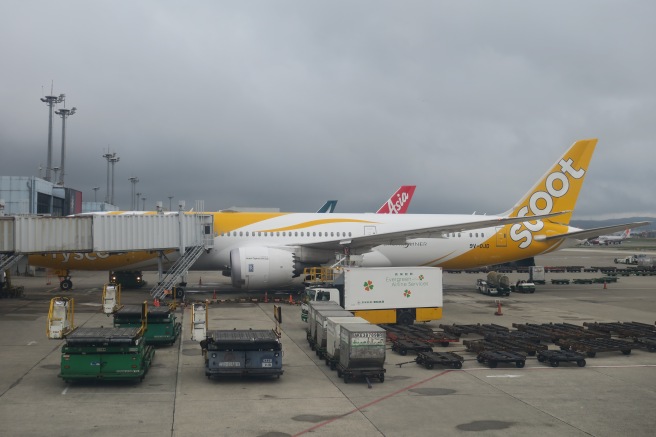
{"x": 558, "y": 190}
{"x": 399, "y": 202}
{"x": 328, "y": 207}
{"x": 626, "y": 234}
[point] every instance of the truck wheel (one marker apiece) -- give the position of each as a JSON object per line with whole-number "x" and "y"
{"x": 405, "y": 319}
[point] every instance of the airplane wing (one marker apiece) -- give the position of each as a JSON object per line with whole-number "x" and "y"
{"x": 369, "y": 241}
{"x": 592, "y": 233}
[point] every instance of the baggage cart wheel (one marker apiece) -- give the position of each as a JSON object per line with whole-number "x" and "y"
{"x": 327, "y": 362}
{"x": 492, "y": 364}
{"x": 580, "y": 363}
{"x": 403, "y": 352}
{"x": 382, "y": 377}
{"x": 554, "y": 363}
{"x": 480, "y": 359}
{"x": 457, "y": 365}
{"x": 541, "y": 358}
{"x": 626, "y": 351}
{"x": 339, "y": 373}
{"x": 591, "y": 354}
{"x": 346, "y": 378}
{"x": 429, "y": 365}
{"x": 444, "y": 344}
{"x": 332, "y": 366}
{"x": 520, "y": 364}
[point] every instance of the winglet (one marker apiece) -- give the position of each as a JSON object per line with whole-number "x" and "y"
{"x": 399, "y": 202}
{"x": 559, "y": 188}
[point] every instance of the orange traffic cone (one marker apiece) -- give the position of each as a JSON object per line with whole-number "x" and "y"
{"x": 214, "y": 295}
{"x": 156, "y": 302}
{"x": 291, "y": 301}
{"x": 266, "y": 297}
{"x": 604, "y": 285}
{"x": 498, "y": 313}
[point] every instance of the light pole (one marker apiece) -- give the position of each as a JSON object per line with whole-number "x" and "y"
{"x": 64, "y": 113}
{"x": 108, "y": 156}
{"x": 51, "y": 101}
{"x": 144, "y": 204}
{"x": 134, "y": 181}
{"x": 137, "y": 201}
{"x": 170, "y": 198}
{"x": 114, "y": 159}
{"x": 95, "y": 194}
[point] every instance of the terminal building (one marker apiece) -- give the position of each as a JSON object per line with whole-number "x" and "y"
{"x": 31, "y": 195}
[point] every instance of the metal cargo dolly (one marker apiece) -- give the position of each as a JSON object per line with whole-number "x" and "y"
{"x": 403, "y": 346}
{"x": 592, "y": 346}
{"x": 445, "y": 359}
{"x": 492, "y": 358}
{"x": 554, "y": 357}
{"x": 560, "y": 281}
{"x": 354, "y": 373}
{"x": 648, "y": 343}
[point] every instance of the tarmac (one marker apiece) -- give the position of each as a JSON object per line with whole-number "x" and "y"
{"x": 614, "y": 394}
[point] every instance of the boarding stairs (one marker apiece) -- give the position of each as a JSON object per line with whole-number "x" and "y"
{"x": 179, "y": 268}
{"x": 8, "y": 261}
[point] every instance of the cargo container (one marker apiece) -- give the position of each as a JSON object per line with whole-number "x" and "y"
{"x": 242, "y": 352}
{"x": 321, "y": 328}
{"x": 311, "y": 307}
{"x": 362, "y": 352}
{"x": 333, "y": 328}
{"x": 386, "y": 294}
{"x": 317, "y": 324}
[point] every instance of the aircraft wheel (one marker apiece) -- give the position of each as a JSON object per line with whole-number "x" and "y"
{"x": 66, "y": 284}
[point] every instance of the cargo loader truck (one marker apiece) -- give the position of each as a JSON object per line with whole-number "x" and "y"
{"x": 392, "y": 295}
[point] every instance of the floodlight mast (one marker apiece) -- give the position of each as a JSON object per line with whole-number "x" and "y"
{"x": 114, "y": 159}
{"x": 64, "y": 114}
{"x": 108, "y": 156}
{"x": 51, "y": 101}
{"x": 134, "y": 181}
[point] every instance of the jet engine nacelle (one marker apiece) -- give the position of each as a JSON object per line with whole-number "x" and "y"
{"x": 261, "y": 267}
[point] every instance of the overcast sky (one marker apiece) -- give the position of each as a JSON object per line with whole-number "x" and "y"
{"x": 286, "y": 104}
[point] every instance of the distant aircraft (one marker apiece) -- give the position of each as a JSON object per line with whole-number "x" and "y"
{"x": 610, "y": 239}
{"x": 267, "y": 250}
{"x": 397, "y": 204}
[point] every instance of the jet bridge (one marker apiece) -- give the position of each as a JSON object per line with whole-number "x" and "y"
{"x": 20, "y": 235}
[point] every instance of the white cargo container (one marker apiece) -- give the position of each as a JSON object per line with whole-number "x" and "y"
{"x": 333, "y": 328}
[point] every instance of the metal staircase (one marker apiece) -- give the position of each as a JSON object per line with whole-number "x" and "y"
{"x": 6, "y": 262}
{"x": 179, "y": 268}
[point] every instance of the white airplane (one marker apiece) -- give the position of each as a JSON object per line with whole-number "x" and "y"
{"x": 610, "y": 239}
{"x": 267, "y": 250}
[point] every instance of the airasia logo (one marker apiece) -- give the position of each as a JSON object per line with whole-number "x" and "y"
{"x": 396, "y": 207}
{"x": 517, "y": 231}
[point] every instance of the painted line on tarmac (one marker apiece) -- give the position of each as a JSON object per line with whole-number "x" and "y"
{"x": 322, "y": 424}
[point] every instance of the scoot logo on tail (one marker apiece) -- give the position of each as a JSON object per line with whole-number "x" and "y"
{"x": 557, "y": 185}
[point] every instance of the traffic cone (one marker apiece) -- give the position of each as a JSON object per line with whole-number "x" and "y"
{"x": 266, "y": 297}
{"x": 214, "y": 295}
{"x": 498, "y": 313}
{"x": 604, "y": 285}
{"x": 156, "y": 302}
{"x": 291, "y": 301}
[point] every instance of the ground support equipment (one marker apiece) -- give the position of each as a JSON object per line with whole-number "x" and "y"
{"x": 560, "y": 281}
{"x": 592, "y": 346}
{"x": 492, "y": 358}
{"x": 242, "y": 352}
{"x": 105, "y": 353}
{"x": 445, "y": 359}
{"x": 554, "y": 357}
{"x": 419, "y": 333}
{"x": 162, "y": 328}
{"x": 403, "y": 346}
{"x": 349, "y": 374}
{"x": 648, "y": 343}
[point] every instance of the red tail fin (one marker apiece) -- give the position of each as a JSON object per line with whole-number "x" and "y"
{"x": 399, "y": 202}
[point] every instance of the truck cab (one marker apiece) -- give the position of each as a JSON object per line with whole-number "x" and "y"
{"x": 318, "y": 294}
